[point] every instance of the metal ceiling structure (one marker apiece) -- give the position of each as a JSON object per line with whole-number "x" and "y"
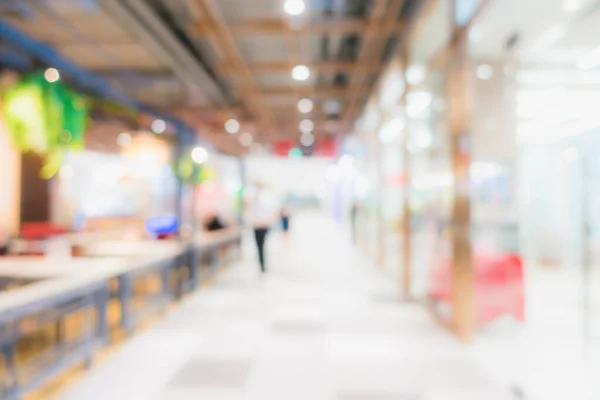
{"x": 206, "y": 61}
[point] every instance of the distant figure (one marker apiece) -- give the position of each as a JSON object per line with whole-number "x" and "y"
{"x": 214, "y": 223}
{"x": 263, "y": 215}
{"x": 353, "y": 221}
{"x": 284, "y": 215}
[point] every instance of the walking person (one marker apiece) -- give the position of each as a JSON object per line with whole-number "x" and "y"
{"x": 263, "y": 215}
{"x": 284, "y": 215}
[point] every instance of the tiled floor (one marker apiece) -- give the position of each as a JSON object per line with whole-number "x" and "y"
{"x": 323, "y": 324}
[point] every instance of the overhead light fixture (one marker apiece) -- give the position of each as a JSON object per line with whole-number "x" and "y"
{"x": 232, "y": 126}
{"x": 294, "y": 7}
{"x": 52, "y": 75}
{"x": 199, "y": 155}
{"x": 332, "y": 107}
{"x": 306, "y": 126}
{"x": 305, "y": 106}
{"x": 301, "y": 73}
{"x": 246, "y": 139}
{"x": 590, "y": 60}
{"x": 124, "y": 139}
{"x": 307, "y": 139}
{"x": 158, "y": 126}
{"x": 415, "y": 74}
{"x": 485, "y": 72}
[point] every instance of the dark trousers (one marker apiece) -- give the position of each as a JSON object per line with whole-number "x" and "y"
{"x": 260, "y": 235}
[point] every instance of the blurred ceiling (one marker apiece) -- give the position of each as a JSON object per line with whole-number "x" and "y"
{"x": 211, "y": 60}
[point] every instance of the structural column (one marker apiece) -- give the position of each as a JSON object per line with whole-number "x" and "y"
{"x": 459, "y": 92}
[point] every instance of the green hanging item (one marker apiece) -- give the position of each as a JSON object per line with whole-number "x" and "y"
{"x": 46, "y": 118}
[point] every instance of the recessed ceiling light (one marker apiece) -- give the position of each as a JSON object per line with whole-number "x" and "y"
{"x": 305, "y": 106}
{"x": 52, "y": 75}
{"x": 199, "y": 155}
{"x": 246, "y": 139}
{"x": 485, "y": 72}
{"x": 307, "y": 139}
{"x": 306, "y": 126}
{"x": 301, "y": 72}
{"x": 232, "y": 126}
{"x": 158, "y": 126}
{"x": 415, "y": 74}
{"x": 294, "y": 7}
{"x": 124, "y": 139}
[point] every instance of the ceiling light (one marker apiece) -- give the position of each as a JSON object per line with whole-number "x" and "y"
{"x": 199, "y": 155}
{"x": 590, "y": 60}
{"x": 392, "y": 130}
{"x": 158, "y": 126}
{"x": 307, "y": 139}
{"x": 485, "y": 72}
{"x": 571, "y": 5}
{"x": 232, "y": 126}
{"x": 52, "y": 75}
{"x": 415, "y": 74}
{"x": 301, "y": 73}
{"x": 306, "y": 126}
{"x": 246, "y": 139}
{"x": 294, "y": 7}
{"x": 305, "y": 106}
{"x": 124, "y": 139}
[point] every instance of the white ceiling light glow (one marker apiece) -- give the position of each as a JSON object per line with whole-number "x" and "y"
{"x": 52, "y": 75}
{"x": 158, "y": 126}
{"x": 199, "y": 155}
{"x": 307, "y": 139}
{"x": 485, "y": 72}
{"x": 301, "y": 73}
{"x": 415, "y": 74}
{"x": 246, "y": 139}
{"x": 232, "y": 126}
{"x": 294, "y": 7}
{"x": 306, "y": 126}
{"x": 305, "y": 106}
{"x": 124, "y": 139}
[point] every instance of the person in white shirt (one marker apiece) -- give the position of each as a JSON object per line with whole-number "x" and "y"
{"x": 263, "y": 213}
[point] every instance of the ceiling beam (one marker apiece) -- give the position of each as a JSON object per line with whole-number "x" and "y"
{"x": 224, "y": 44}
{"x": 372, "y": 46}
{"x": 278, "y": 27}
{"x": 306, "y": 90}
{"x": 283, "y": 67}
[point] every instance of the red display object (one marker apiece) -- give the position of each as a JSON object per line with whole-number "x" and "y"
{"x": 40, "y": 230}
{"x": 499, "y": 286}
{"x": 282, "y": 148}
{"x": 326, "y": 148}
